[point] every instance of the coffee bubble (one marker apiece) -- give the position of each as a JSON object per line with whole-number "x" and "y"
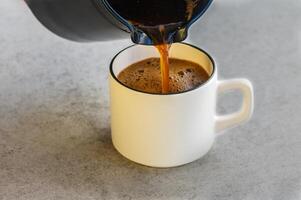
{"x": 146, "y": 76}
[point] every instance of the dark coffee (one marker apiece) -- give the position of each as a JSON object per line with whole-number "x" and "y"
{"x": 145, "y": 76}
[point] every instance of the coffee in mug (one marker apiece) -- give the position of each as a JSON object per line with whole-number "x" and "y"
{"x": 145, "y": 76}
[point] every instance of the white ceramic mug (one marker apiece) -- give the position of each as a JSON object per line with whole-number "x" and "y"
{"x": 173, "y": 129}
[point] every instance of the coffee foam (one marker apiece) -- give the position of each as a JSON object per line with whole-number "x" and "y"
{"x": 145, "y": 76}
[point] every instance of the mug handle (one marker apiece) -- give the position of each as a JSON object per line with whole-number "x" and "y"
{"x": 246, "y": 111}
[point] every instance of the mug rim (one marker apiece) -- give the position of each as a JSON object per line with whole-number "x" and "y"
{"x": 163, "y": 94}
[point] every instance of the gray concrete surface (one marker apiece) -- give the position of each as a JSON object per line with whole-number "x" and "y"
{"x": 54, "y": 119}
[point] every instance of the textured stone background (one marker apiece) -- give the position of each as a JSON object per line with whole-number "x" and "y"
{"x": 54, "y": 119}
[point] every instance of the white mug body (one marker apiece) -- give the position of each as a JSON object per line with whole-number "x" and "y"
{"x": 168, "y": 130}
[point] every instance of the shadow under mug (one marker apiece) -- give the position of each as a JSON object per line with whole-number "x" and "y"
{"x": 168, "y": 130}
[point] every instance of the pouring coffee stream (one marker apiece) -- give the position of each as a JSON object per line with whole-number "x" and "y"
{"x": 149, "y": 22}
{"x": 161, "y": 21}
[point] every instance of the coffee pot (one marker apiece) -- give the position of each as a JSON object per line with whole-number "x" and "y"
{"x": 95, "y": 20}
